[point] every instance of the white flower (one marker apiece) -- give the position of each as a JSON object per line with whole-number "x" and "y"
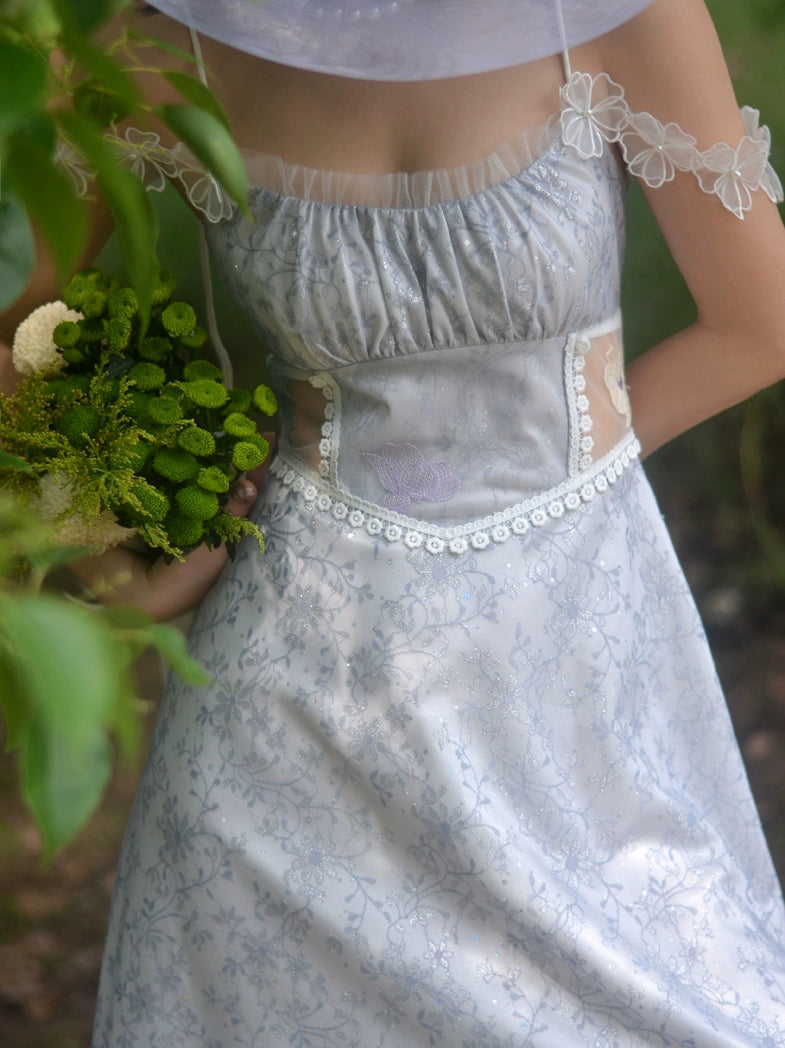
{"x": 654, "y": 152}
{"x": 143, "y": 155}
{"x": 594, "y": 110}
{"x": 734, "y": 174}
{"x": 33, "y": 349}
{"x": 53, "y": 503}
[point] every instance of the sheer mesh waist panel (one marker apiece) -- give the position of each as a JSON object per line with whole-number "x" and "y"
{"x": 437, "y": 442}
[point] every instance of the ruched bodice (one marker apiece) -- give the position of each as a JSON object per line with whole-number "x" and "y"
{"x": 443, "y": 337}
{"x": 329, "y": 284}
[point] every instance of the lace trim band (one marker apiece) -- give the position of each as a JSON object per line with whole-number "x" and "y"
{"x": 319, "y": 493}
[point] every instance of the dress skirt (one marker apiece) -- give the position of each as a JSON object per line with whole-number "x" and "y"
{"x": 486, "y": 800}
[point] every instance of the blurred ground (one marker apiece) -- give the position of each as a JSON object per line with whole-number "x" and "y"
{"x": 52, "y": 920}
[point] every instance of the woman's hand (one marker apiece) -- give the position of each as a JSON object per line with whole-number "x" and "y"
{"x": 165, "y": 590}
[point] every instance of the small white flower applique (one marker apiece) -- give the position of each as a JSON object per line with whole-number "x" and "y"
{"x": 595, "y": 112}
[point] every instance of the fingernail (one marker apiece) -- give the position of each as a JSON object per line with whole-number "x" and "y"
{"x": 244, "y": 490}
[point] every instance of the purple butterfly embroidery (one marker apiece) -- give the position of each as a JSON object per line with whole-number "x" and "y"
{"x": 408, "y": 477}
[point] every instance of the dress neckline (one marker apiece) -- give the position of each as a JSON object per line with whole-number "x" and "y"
{"x": 402, "y": 189}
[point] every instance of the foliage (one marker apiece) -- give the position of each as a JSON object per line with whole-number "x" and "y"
{"x": 66, "y": 690}
{"x": 126, "y": 431}
{"x": 58, "y": 85}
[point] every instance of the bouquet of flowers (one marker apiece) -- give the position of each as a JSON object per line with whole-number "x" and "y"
{"x": 126, "y": 432}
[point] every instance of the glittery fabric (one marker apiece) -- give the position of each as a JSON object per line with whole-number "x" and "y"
{"x": 465, "y": 776}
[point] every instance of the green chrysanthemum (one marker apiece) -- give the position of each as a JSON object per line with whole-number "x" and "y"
{"x": 201, "y": 369}
{"x": 164, "y": 411}
{"x": 178, "y": 319}
{"x": 247, "y": 456}
{"x": 196, "y": 502}
{"x": 133, "y": 457}
{"x": 265, "y": 400}
{"x": 75, "y": 355}
{"x": 123, "y": 303}
{"x": 213, "y": 478}
{"x": 183, "y": 531}
{"x": 138, "y": 406}
{"x": 176, "y": 464}
{"x": 205, "y": 393}
{"x": 237, "y": 425}
{"x": 92, "y": 331}
{"x": 155, "y": 505}
{"x": 118, "y": 333}
{"x": 196, "y": 440}
{"x": 67, "y": 334}
{"x": 146, "y": 376}
{"x": 156, "y": 349}
{"x": 93, "y": 305}
{"x": 194, "y": 339}
{"x": 80, "y": 286}
{"x": 239, "y": 400}
{"x": 163, "y": 289}
{"x": 78, "y": 424}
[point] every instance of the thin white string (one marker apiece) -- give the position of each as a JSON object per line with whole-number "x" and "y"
{"x": 565, "y": 54}
{"x": 221, "y": 352}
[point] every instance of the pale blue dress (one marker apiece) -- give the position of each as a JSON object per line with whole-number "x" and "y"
{"x": 465, "y": 776}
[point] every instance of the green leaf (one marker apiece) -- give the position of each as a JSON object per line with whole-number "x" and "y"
{"x": 23, "y": 76}
{"x": 84, "y": 16}
{"x": 63, "y": 779}
{"x": 8, "y": 461}
{"x": 104, "y": 71}
{"x": 16, "y": 712}
{"x": 172, "y": 645}
{"x": 67, "y": 667}
{"x": 65, "y": 659}
{"x": 194, "y": 91}
{"x": 17, "y": 251}
{"x": 101, "y": 105}
{"x": 50, "y": 198}
{"x": 47, "y": 558}
{"x": 137, "y": 225}
{"x": 210, "y": 142}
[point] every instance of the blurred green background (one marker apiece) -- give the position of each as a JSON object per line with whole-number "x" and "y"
{"x": 721, "y": 485}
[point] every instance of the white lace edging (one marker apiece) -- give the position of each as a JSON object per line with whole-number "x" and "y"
{"x": 581, "y": 424}
{"x": 595, "y": 112}
{"x": 477, "y": 535}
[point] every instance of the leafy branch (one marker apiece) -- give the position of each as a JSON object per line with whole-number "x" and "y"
{"x": 57, "y": 84}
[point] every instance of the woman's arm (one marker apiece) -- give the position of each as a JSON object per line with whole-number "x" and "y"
{"x": 670, "y": 63}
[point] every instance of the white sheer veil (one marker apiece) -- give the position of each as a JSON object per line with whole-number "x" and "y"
{"x": 402, "y": 39}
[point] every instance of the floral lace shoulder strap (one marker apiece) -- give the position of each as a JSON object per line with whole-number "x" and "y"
{"x": 594, "y": 112}
{"x": 143, "y": 153}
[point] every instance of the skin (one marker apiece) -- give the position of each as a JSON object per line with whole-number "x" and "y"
{"x": 669, "y": 61}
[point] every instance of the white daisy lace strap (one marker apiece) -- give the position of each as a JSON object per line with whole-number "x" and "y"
{"x": 143, "y": 153}
{"x": 595, "y": 112}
